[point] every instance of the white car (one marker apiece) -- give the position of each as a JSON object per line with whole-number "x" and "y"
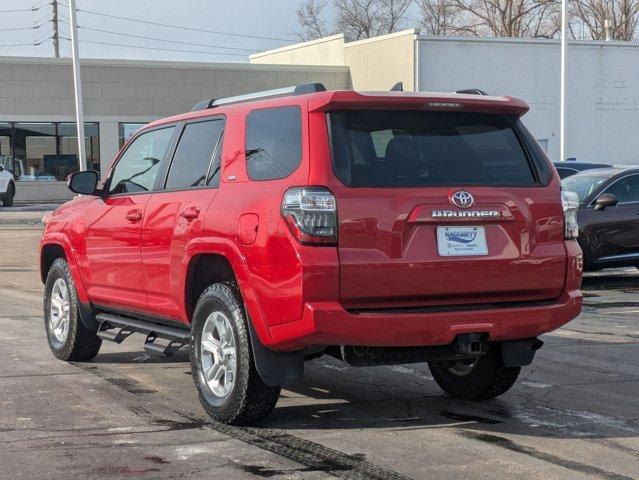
{"x": 7, "y": 187}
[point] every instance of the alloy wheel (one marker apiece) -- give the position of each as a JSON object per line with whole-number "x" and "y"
{"x": 60, "y": 310}
{"x": 218, "y": 354}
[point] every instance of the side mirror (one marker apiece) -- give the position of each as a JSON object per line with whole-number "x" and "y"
{"x": 605, "y": 200}
{"x": 84, "y": 183}
{"x": 1, "y": 168}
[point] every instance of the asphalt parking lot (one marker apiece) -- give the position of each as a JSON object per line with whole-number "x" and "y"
{"x": 573, "y": 414}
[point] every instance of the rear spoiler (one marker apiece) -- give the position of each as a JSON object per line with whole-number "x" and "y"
{"x": 350, "y": 100}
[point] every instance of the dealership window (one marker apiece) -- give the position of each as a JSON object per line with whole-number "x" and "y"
{"x": 127, "y": 130}
{"x": 6, "y": 157}
{"x": 69, "y": 143}
{"x": 46, "y": 151}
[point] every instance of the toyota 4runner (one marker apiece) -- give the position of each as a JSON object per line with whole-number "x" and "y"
{"x": 268, "y": 229}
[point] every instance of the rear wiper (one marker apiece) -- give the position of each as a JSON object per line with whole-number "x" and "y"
{"x": 252, "y": 151}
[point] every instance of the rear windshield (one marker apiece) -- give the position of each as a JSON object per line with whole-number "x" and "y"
{"x": 380, "y": 148}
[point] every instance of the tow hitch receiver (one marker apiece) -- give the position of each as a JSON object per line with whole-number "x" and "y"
{"x": 465, "y": 346}
{"x": 519, "y": 353}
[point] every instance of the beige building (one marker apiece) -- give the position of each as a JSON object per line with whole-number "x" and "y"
{"x": 38, "y": 142}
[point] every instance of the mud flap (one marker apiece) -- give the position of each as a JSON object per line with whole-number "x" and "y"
{"x": 87, "y": 317}
{"x": 277, "y": 369}
{"x": 519, "y": 353}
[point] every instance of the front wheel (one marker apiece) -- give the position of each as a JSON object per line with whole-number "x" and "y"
{"x": 228, "y": 385}
{"x": 68, "y": 338}
{"x": 7, "y": 201}
{"x": 478, "y": 379}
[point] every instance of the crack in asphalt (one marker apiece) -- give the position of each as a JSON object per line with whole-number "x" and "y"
{"x": 509, "y": 444}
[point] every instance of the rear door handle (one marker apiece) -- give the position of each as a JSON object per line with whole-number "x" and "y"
{"x": 191, "y": 213}
{"x": 134, "y": 216}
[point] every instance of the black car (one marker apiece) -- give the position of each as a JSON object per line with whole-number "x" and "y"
{"x": 608, "y": 216}
{"x": 571, "y": 167}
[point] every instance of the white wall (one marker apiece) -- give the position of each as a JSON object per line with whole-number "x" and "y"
{"x": 603, "y": 79}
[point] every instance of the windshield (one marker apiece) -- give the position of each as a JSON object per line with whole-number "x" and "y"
{"x": 583, "y": 185}
{"x": 384, "y": 148}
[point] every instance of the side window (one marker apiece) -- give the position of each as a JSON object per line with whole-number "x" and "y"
{"x": 139, "y": 165}
{"x": 273, "y": 142}
{"x": 191, "y": 163}
{"x": 626, "y": 190}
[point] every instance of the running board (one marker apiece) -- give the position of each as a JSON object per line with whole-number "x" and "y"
{"x": 116, "y": 328}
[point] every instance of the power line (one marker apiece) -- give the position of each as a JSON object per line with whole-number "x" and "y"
{"x": 43, "y": 2}
{"x": 17, "y": 10}
{"x": 165, "y": 40}
{"x": 16, "y": 29}
{"x": 17, "y": 45}
{"x": 259, "y": 37}
{"x": 44, "y": 37}
{"x": 157, "y": 48}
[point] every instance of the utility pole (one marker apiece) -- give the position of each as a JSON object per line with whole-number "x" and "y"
{"x": 77, "y": 83}
{"x": 56, "y": 33}
{"x": 562, "y": 107}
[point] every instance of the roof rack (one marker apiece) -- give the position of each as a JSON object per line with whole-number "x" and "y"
{"x": 301, "y": 89}
{"x": 472, "y": 91}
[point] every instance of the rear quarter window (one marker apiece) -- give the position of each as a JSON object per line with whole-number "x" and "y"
{"x": 384, "y": 148}
{"x": 273, "y": 142}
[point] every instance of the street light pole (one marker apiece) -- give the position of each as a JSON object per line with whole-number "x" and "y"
{"x": 562, "y": 107}
{"x": 77, "y": 83}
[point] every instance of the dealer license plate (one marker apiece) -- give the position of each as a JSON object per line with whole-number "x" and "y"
{"x": 453, "y": 241}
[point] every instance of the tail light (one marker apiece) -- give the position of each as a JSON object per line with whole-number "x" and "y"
{"x": 311, "y": 214}
{"x": 570, "y": 203}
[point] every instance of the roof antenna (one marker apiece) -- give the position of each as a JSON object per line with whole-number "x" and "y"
{"x": 398, "y": 87}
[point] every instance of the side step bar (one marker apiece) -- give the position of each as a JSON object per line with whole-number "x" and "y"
{"x": 116, "y": 328}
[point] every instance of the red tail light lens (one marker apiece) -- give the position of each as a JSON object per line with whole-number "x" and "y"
{"x": 311, "y": 214}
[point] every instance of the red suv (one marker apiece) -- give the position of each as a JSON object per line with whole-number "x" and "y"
{"x": 268, "y": 229}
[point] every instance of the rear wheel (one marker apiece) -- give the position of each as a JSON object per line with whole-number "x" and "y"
{"x": 7, "y": 201}
{"x": 68, "y": 338}
{"x": 228, "y": 385}
{"x": 485, "y": 377}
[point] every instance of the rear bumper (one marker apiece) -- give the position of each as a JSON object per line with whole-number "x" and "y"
{"x": 327, "y": 323}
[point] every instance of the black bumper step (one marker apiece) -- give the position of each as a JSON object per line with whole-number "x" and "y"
{"x": 116, "y": 328}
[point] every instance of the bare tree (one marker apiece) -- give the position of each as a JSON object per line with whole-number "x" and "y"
{"x": 444, "y": 17}
{"x": 436, "y": 16}
{"x": 509, "y": 18}
{"x": 311, "y": 19}
{"x": 622, "y": 17}
{"x": 368, "y": 18}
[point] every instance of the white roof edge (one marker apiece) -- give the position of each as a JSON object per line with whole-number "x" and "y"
{"x": 520, "y": 40}
{"x": 295, "y": 46}
{"x": 401, "y": 33}
{"x": 109, "y": 62}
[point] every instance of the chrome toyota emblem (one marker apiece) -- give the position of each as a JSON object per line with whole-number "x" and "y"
{"x": 462, "y": 199}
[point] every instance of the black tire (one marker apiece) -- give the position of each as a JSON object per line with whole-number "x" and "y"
{"x": 7, "y": 201}
{"x": 489, "y": 378}
{"x": 249, "y": 398}
{"x": 79, "y": 343}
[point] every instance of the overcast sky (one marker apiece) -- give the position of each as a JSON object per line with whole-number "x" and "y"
{"x": 259, "y": 18}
